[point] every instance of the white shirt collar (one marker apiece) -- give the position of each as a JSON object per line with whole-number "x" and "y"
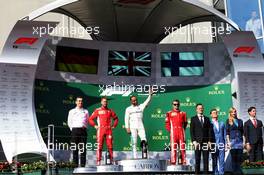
{"x": 200, "y": 115}
{"x": 79, "y": 109}
{"x": 252, "y": 118}
{"x": 215, "y": 120}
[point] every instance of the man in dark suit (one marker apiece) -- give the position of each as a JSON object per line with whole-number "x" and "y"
{"x": 253, "y": 134}
{"x": 201, "y": 135}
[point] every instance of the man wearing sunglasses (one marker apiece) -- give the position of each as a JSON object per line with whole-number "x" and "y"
{"x": 176, "y": 122}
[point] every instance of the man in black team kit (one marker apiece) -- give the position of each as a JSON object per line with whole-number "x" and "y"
{"x": 201, "y": 135}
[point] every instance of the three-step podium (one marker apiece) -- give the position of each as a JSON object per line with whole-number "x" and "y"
{"x": 135, "y": 166}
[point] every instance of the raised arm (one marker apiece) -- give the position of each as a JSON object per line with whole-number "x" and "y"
{"x": 147, "y": 101}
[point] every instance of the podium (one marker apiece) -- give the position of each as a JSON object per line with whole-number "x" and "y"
{"x": 140, "y": 165}
{"x": 179, "y": 168}
{"x": 136, "y": 166}
{"x": 98, "y": 169}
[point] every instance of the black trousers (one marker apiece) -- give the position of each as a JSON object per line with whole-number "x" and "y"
{"x": 256, "y": 152}
{"x": 237, "y": 158}
{"x": 79, "y": 138}
{"x": 198, "y": 152}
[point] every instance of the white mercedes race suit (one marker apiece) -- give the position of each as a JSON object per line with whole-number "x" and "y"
{"x": 133, "y": 120}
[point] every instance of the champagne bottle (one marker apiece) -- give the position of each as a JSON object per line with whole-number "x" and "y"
{"x": 144, "y": 149}
{"x": 179, "y": 157}
{"x": 107, "y": 158}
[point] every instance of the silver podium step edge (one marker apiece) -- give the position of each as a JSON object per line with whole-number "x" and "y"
{"x": 134, "y": 165}
{"x": 146, "y": 165}
{"x": 179, "y": 168}
{"x": 98, "y": 169}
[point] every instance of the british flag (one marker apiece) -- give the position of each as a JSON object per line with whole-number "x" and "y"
{"x": 129, "y": 63}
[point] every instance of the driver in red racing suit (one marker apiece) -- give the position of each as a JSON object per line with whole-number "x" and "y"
{"x": 176, "y": 123}
{"x": 104, "y": 128}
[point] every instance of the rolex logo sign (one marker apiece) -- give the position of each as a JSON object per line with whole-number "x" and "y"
{"x": 40, "y": 86}
{"x": 216, "y": 91}
{"x": 69, "y": 101}
{"x": 188, "y": 102}
{"x": 42, "y": 109}
{"x": 158, "y": 113}
{"x": 129, "y": 148}
{"x": 160, "y": 136}
{"x": 220, "y": 113}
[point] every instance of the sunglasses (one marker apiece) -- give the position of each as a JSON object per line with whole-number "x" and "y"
{"x": 176, "y": 104}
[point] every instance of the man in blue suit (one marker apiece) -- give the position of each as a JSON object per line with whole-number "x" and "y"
{"x": 218, "y": 150}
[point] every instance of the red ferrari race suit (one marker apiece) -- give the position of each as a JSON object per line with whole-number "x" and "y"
{"x": 176, "y": 123}
{"x": 104, "y": 121}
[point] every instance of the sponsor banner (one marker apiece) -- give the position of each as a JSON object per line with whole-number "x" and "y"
{"x": 54, "y": 99}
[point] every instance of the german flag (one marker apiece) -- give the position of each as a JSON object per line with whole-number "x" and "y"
{"x": 76, "y": 60}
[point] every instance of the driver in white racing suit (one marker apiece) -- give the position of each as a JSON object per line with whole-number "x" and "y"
{"x": 133, "y": 121}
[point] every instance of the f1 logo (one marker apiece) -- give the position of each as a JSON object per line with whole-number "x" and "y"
{"x": 25, "y": 40}
{"x": 244, "y": 49}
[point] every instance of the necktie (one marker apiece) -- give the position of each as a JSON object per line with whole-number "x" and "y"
{"x": 201, "y": 119}
{"x": 255, "y": 123}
